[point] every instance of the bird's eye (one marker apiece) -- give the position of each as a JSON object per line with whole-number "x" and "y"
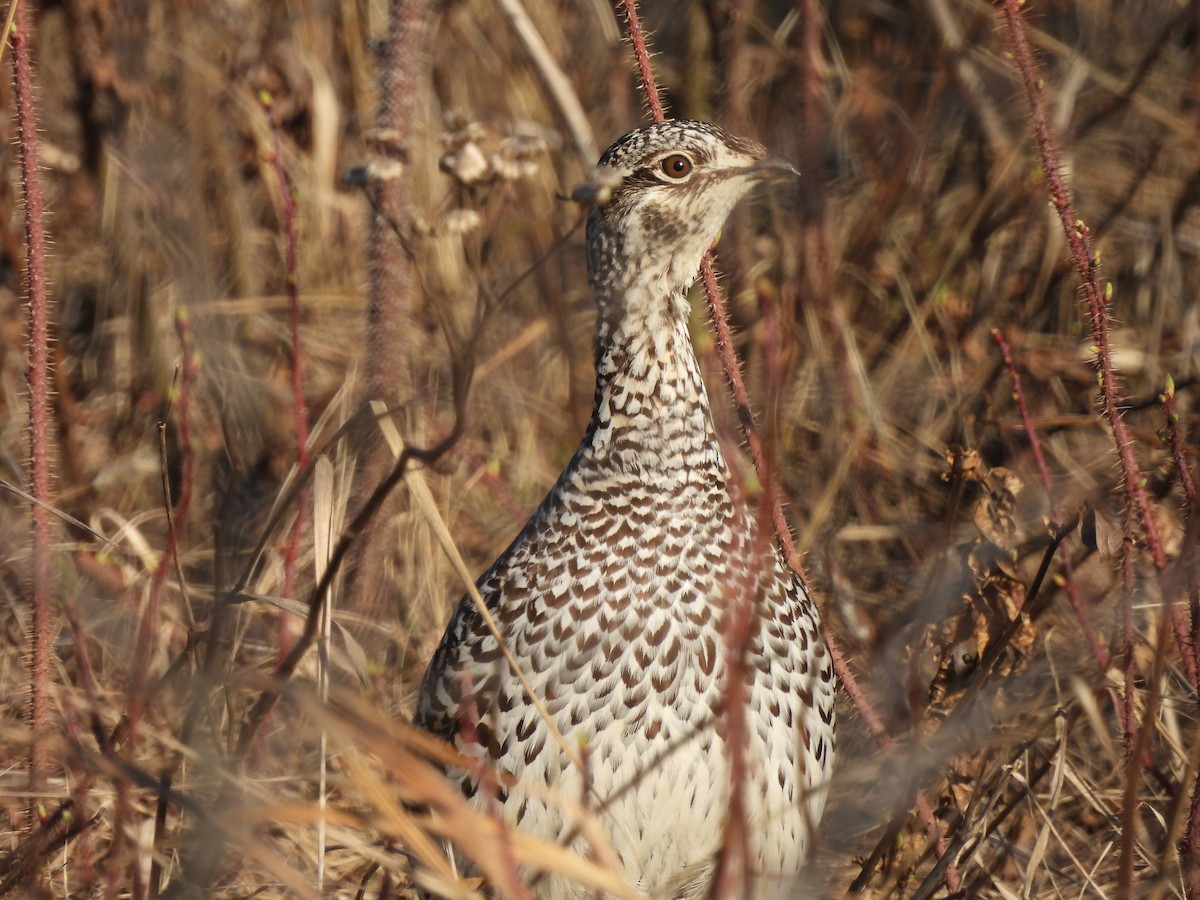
{"x": 676, "y": 166}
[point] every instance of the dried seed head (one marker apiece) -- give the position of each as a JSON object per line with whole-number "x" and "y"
{"x": 517, "y": 157}
{"x": 466, "y": 165}
{"x": 460, "y": 221}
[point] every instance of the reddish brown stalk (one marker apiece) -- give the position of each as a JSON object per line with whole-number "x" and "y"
{"x": 40, "y": 426}
{"x": 1078, "y": 239}
{"x": 288, "y": 217}
{"x": 640, "y": 52}
{"x": 783, "y": 533}
{"x": 87, "y": 677}
{"x": 1189, "y": 853}
{"x": 741, "y": 399}
{"x": 1056, "y": 513}
{"x": 1175, "y": 442}
{"x": 1179, "y": 454}
{"x": 1189, "y": 848}
{"x": 741, "y": 612}
{"x": 815, "y": 222}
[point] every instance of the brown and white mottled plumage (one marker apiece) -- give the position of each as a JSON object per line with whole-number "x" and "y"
{"x": 613, "y": 598}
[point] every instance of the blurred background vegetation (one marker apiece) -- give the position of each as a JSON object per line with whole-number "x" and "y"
{"x": 435, "y": 247}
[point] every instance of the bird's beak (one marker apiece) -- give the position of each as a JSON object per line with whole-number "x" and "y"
{"x": 774, "y": 166}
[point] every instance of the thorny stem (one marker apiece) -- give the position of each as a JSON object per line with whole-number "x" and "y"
{"x": 1079, "y": 240}
{"x": 1130, "y": 807}
{"x": 1179, "y": 454}
{"x": 640, "y": 52}
{"x": 1056, "y": 513}
{"x": 40, "y": 427}
{"x": 746, "y": 417}
{"x": 1137, "y": 502}
{"x": 741, "y": 399}
{"x": 744, "y": 601}
{"x": 1189, "y": 848}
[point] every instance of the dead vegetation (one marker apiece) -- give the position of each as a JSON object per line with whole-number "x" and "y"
{"x": 1032, "y": 660}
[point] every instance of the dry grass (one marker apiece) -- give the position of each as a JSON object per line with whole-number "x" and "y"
{"x": 920, "y": 225}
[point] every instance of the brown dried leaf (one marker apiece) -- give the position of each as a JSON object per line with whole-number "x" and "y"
{"x": 1101, "y": 530}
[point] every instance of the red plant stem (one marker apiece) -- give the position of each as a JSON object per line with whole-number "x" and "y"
{"x": 741, "y": 611}
{"x": 640, "y": 52}
{"x": 87, "y": 677}
{"x": 784, "y": 535}
{"x": 1078, "y": 239}
{"x": 40, "y": 427}
{"x": 1081, "y": 613}
{"x": 746, "y": 417}
{"x": 1189, "y": 853}
{"x": 1129, "y": 711}
{"x": 1139, "y": 749}
{"x": 741, "y": 399}
{"x": 1189, "y": 846}
{"x": 1175, "y": 442}
{"x": 287, "y": 199}
{"x": 1179, "y": 454}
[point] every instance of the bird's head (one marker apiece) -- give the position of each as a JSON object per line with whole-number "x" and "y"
{"x": 660, "y": 197}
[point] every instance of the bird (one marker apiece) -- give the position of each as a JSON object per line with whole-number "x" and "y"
{"x": 615, "y": 598}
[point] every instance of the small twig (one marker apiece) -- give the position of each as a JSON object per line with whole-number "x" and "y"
{"x": 161, "y": 807}
{"x": 1131, "y": 804}
{"x": 141, "y": 659}
{"x": 1189, "y": 847}
{"x": 323, "y": 528}
{"x": 1056, "y": 513}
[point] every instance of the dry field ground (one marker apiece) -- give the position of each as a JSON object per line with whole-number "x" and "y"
{"x": 1025, "y": 639}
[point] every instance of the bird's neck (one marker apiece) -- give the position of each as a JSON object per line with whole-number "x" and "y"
{"x": 651, "y": 409}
